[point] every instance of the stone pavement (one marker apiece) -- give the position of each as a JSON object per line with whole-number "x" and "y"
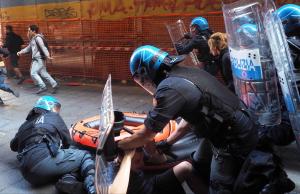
{"x": 78, "y": 102}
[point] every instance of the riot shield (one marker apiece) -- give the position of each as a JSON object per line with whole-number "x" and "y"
{"x": 252, "y": 63}
{"x": 177, "y": 31}
{"x": 284, "y": 66}
{"x": 104, "y": 169}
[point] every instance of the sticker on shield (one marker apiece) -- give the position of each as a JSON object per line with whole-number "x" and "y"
{"x": 246, "y": 64}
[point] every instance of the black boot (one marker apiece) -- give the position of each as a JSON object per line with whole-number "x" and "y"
{"x": 15, "y": 92}
{"x": 69, "y": 184}
{"x": 280, "y": 186}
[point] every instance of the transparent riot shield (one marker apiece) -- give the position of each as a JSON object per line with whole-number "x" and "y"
{"x": 284, "y": 66}
{"x": 104, "y": 169}
{"x": 251, "y": 59}
{"x": 177, "y": 31}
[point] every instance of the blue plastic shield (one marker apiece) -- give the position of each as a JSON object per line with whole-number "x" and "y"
{"x": 104, "y": 170}
{"x": 284, "y": 66}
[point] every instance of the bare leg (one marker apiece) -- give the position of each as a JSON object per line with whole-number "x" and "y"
{"x": 18, "y": 72}
{"x": 184, "y": 172}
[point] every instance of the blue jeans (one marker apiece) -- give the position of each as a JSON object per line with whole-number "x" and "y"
{"x": 38, "y": 71}
{"x": 3, "y": 85}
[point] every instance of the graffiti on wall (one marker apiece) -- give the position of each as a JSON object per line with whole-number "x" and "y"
{"x": 4, "y": 15}
{"x": 151, "y": 5}
{"x": 61, "y": 13}
{"x": 125, "y": 8}
{"x": 173, "y": 6}
{"x": 115, "y": 9}
{"x": 108, "y": 7}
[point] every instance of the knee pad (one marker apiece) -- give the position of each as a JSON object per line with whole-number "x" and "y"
{"x": 69, "y": 184}
{"x": 89, "y": 184}
{"x": 87, "y": 165}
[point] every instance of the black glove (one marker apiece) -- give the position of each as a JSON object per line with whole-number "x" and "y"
{"x": 163, "y": 145}
{"x": 187, "y": 35}
{"x": 179, "y": 47}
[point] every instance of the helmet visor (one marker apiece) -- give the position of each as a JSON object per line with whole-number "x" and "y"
{"x": 145, "y": 82}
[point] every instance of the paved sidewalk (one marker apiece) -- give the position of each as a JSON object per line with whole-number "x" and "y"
{"x": 78, "y": 102}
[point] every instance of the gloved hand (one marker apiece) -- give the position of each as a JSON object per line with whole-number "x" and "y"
{"x": 179, "y": 48}
{"x": 187, "y": 35}
{"x": 163, "y": 145}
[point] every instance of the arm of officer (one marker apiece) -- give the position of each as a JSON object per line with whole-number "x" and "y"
{"x": 186, "y": 48}
{"x": 138, "y": 139}
{"x": 194, "y": 42}
{"x": 121, "y": 181}
{"x": 63, "y": 132}
{"x": 182, "y": 129}
{"x": 166, "y": 104}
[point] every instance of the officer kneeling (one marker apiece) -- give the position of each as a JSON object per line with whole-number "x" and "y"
{"x": 42, "y": 159}
{"x": 205, "y": 103}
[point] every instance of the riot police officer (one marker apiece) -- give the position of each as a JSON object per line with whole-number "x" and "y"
{"x": 206, "y": 104}
{"x": 282, "y": 133}
{"x": 263, "y": 162}
{"x": 290, "y": 17}
{"x": 42, "y": 159}
{"x": 197, "y": 39}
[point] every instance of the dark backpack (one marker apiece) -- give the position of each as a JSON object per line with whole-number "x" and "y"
{"x": 13, "y": 42}
{"x": 40, "y": 49}
{"x": 19, "y": 40}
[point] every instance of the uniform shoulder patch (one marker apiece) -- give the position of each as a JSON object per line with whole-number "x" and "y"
{"x": 40, "y": 120}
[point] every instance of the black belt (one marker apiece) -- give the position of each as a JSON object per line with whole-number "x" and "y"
{"x": 27, "y": 149}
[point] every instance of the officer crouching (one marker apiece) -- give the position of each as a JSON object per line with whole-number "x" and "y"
{"x": 42, "y": 144}
{"x": 205, "y": 104}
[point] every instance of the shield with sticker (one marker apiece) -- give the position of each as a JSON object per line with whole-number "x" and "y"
{"x": 251, "y": 58}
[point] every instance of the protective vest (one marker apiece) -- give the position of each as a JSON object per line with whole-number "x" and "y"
{"x": 30, "y": 134}
{"x": 217, "y": 101}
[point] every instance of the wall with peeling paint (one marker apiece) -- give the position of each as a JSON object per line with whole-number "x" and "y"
{"x": 12, "y": 10}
